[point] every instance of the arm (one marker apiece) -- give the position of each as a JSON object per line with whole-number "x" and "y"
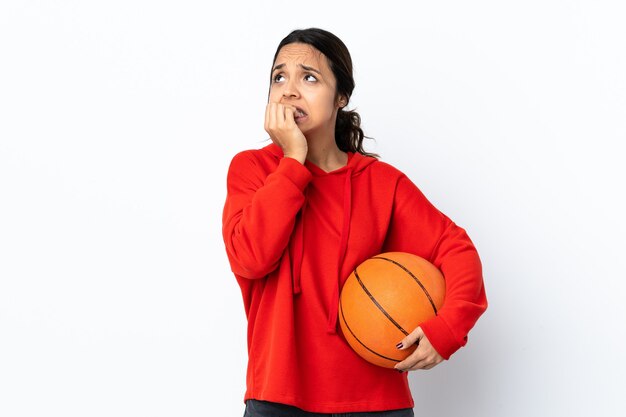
{"x": 259, "y": 213}
{"x": 418, "y": 227}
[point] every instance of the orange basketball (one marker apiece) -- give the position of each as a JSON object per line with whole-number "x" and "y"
{"x": 384, "y": 299}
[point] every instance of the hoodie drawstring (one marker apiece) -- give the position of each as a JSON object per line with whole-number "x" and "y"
{"x": 298, "y": 251}
{"x": 296, "y": 267}
{"x": 343, "y": 245}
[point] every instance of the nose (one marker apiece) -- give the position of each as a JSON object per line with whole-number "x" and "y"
{"x": 290, "y": 89}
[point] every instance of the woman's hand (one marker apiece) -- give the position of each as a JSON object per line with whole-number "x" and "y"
{"x": 284, "y": 131}
{"x": 424, "y": 357}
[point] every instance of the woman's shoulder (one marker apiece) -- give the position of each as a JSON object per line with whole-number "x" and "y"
{"x": 386, "y": 169}
{"x": 269, "y": 154}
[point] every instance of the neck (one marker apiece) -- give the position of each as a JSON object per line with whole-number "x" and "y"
{"x": 323, "y": 150}
{"x": 328, "y": 157}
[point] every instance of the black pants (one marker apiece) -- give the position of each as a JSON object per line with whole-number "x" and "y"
{"x": 256, "y": 408}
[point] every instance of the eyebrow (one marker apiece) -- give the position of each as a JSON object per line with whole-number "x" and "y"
{"x": 304, "y": 67}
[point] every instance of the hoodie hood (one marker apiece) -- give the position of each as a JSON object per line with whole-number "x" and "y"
{"x": 356, "y": 164}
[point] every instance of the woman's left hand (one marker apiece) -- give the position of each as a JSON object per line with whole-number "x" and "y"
{"x": 424, "y": 357}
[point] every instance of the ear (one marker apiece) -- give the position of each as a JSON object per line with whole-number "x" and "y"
{"x": 342, "y": 102}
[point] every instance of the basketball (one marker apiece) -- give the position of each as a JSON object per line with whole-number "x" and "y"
{"x": 384, "y": 299}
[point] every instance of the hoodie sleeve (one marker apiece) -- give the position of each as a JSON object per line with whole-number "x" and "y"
{"x": 419, "y": 228}
{"x": 260, "y": 211}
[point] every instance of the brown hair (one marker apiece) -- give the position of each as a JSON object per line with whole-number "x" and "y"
{"x": 348, "y": 133}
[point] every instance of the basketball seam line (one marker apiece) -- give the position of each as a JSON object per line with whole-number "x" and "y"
{"x": 359, "y": 340}
{"x": 432, "y": 303}
{"x": 356, "y": 274}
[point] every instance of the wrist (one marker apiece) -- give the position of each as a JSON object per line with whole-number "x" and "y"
{"x": 298, "y": 156}
{"x": 300, "y": 159}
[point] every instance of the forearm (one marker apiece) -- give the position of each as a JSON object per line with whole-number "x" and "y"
{"x": 257, "y": 223}
{"x": 465, "y": 299}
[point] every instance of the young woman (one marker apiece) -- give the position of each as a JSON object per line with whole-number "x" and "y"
{"x": 300, "y": 214}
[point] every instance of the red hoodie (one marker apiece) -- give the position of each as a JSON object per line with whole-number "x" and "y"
{"x": 293, "y": 235}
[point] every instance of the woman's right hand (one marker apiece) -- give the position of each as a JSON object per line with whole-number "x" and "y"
{"x": 284, "y": 131}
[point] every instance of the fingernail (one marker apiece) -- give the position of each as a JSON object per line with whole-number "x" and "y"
{"x": 399, "y": 345}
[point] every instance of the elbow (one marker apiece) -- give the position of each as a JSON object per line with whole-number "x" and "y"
{"x": 248, "y": 258}
{"x": 253, "y": 272}
{"x": 251, "y": 268}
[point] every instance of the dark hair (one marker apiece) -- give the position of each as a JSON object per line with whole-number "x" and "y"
{"x": 348, "y": 133}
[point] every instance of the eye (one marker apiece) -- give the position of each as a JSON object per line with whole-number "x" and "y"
{"x": 275, "y": 79}
{"x": 312, "y": 76}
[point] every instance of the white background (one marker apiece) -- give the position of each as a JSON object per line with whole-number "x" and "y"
{"x": 117, "y": 123}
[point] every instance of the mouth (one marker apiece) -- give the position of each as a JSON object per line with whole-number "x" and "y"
{"x": 299, "y": 113}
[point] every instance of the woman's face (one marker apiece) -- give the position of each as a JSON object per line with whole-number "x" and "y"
{"x": 302, "y": 77}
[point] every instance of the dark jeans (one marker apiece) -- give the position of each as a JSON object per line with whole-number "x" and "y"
{"x": 256, "y": 408}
